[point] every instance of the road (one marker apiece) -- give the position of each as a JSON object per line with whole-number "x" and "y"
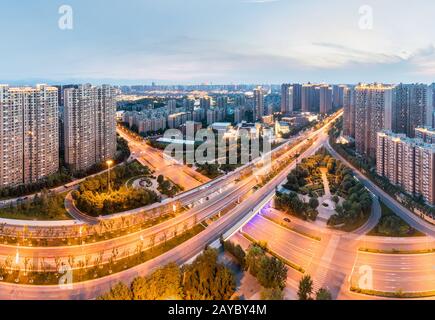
{"x": 335, "y": 261}
{"x": 180, "y": 254}
{"x": 182, "y": 175}
{"x": 412, "y": 219}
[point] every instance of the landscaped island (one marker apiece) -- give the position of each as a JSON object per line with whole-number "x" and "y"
{"x": 96, "y": 197}
{"x": 305, "y": 186}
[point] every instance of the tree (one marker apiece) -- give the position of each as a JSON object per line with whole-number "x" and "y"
{"x": 253, "y": 259}
{"x": 206, "y": 279}
{"x": 272, "y": 273}
{"x": 305, "y": 288}
{"x": 314, "y": 203}
{"x": 237, "y": 252}
{"x": 272, "y": 294}
{"x": 163, "y": 284}
{"x": 118, "y": 292}
{"x": 160, "y": 179}
{"x": 323, "y": 294}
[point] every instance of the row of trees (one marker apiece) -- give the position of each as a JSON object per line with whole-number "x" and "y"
{"x": 46, "y": 205}
{"x": 236, "y": 251}
{"x": 270, "y": 272}
{"x": 305, "y": 291}
{"x": 57, "y": 179}
{"x": 204, "y": 279}
{"x": 64, "y": 175}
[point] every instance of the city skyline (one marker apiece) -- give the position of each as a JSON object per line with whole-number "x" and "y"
{"x": 260, "y": 42}
{"x": 244, "y": 150}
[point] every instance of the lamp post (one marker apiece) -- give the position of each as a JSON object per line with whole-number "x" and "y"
{"x": 109, "y": 164}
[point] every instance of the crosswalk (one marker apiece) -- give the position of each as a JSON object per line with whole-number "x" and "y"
{"x": 324, "y": 264}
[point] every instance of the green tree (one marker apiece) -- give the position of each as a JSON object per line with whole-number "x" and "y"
{"x": 272, "y": 294}
{"x": 163, "y": 284}
{"x": 119, "y": 292}
{"x": 305, "y": 288}
{"x": 314, "y": 203}
{"x": 272, "y": 273}
{"x": 206, "y": 279}
{"x": 254, "y": 258}
{"x": 323, "y": 294}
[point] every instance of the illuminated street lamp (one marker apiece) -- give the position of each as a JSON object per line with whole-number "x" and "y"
{"x": 109, "y": 164}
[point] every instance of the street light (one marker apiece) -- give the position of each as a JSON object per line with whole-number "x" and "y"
{"x": 109, "y": 164}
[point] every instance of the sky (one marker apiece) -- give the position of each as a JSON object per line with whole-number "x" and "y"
{"x": 218, "y": 41}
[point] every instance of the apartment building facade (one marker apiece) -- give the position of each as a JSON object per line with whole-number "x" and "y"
{"x": 29, "y": 134}
{"x": 89, "y": 125}
{"x": 408, "y": 163}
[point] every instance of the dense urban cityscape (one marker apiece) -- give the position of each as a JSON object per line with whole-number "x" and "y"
{"x": 238, "y": 151}
{"x": 349, "y": 168}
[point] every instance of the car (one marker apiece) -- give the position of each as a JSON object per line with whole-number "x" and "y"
{"x": 287, "y": 220}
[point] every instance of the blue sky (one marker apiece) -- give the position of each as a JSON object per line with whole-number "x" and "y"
{"x": 217, "y": 41}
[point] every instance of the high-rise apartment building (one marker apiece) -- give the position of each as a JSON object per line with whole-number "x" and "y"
{"x": 258, "y": 103}
{"x": 205, "y": 103}
{"x": 222, "y": 102}
{"x": 427, "y": 134}
{"x": 240, "y": 100}
{"x": 373, "y": 113}
{"x": 325, "y": 99}
{"x": 338, "y": 96}
{"x": 349, "y": 112}
{"x": 297, "y": 96}
{"x": 177, "y": 119}
{"x": 29, "y": 134}
{"x": 413, "y": 106}
{"x": 239, "y": 113}
{"x": 286, "y": 99}
{"x": 310, "y": 98}
{"x": 407, "y": 162}
{"x": 172, "y": 106}
{"x": 89, "y": 125}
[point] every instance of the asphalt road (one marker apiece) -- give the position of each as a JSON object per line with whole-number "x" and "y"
{"x": 180, "y": 254}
